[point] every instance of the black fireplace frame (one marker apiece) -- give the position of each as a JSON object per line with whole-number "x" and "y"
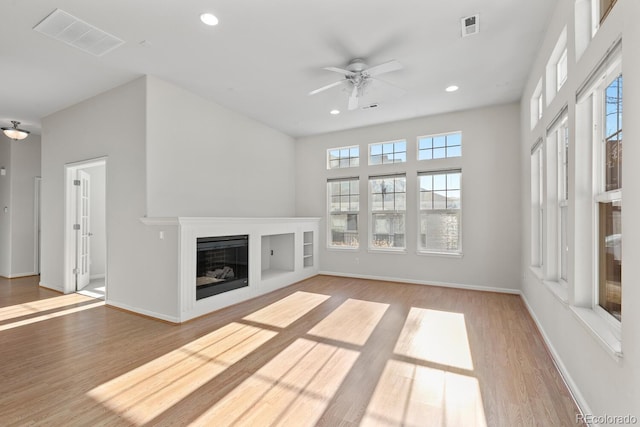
{"x": 239, "y": 244}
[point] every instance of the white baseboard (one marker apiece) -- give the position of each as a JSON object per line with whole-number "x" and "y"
{"x": 571, "y": 385}
{"x": 148, "y": 313}
{"x": 17, "y": 275}
{"x": 425, "y": 282}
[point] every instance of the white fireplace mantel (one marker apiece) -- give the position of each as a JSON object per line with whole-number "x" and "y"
{"x": 270, "y": 241}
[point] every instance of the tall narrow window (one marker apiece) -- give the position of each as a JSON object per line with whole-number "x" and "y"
{"x": 537, "y": 205}
{"x": 388, "y": 209}
{"x": 440, "y": 211}
{"x": 344, "y": 208}
{"x": 561, "y": 69}
{"x": 563, "y": 197}
{"x": 609, "y": 201}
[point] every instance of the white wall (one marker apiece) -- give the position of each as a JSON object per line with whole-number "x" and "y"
{"x": 490, "y": 183}
{"x": 602, "y": 384}
{"x": 98, "y": 249}
{"x": 206, "y": 160}
{"x": 5, "y": 201}
{"x": 141, "y": 270}
{"x": 17, "y": 227}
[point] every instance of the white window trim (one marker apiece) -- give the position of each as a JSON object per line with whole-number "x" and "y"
{"x": 419, "y": 251}
{"x": 392, "y": 141}
{"x": 434, "y": 135}
{"x": 328, "y": 210}
{"x": 342, "y": 148}
{"x": 370, "y": 247}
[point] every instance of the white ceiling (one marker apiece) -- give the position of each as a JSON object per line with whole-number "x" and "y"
{"x": 265, "y": 56}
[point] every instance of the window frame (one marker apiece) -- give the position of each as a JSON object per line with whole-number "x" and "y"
{"x": 422, "y": 249}
{"x": 371, "y": 212}
{"x": 445, "y": 147}
{"x": 330, "y": 244}
{"x": 537, "y": 205}
{"x": 349, "y": 158}
{"x": 394, "y": 152}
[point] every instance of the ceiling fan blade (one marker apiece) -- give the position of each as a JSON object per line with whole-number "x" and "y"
{"x": 383, "y": 68}
{"x": 329, "y": 86}
{"x": 353, "y": 99}
{"x": 340, "y": 70}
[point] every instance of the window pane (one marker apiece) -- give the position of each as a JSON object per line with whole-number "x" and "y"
{"x": 439, "y": 200}
{"x": 376, "y": 159}
{"x": 454, "y": 139}
{"x": 426, "y": 201}
{"x": 344, "y": 230}
{"x": 400, "y": 157}
{"x": 354, "y": 152}
{"x": 376, "y": 149}
{"x": 343, "y": 157}
{"x": 453, "y": 181}
{"x": 400, "y": 147}
{"x": 354, "y": 162}
{"x": 388, "y": 231}
{"x": 387, "y": 148}
{"x": 425, "y": 155}
{"x": 439, "y": 153}
{"x": 440, "y": 231}
{"x": 343, "y": 227}
{"x": 401, "y": 201}
{"x": 388, "y": 202}
{"x": 354, "y": 203}
{"x": 426, "y": 182}
{"x": 610, "y": 258}
{"x": 424, "y": 143}
{"x": 334, "y": 164}
{"x": 454, "y": 151}
{"x": 440, "y": 182}
{"x": 376, "y": 202}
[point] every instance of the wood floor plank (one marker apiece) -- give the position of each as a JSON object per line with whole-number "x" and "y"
{"x": 327, "y": 351}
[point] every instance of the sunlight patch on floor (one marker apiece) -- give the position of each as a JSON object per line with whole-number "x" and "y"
{"x": 287, "y": 310}
{"x": 147, "y": 391}
{"x": 13, "y": 311}
{"x": 412, "y": 395}
{"x": 50, "y": 316}
{"x": 435, "y": 336}
{"x": 294, "y": 388}
{"x": 352, "y": 322}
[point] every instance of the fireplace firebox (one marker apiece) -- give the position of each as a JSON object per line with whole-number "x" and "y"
{"x": 222, "y": 264}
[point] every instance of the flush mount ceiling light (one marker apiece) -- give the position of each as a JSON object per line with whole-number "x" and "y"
{"x": 15, "y": 133}
{"x": 334, "y": 112}
{"x": 452, "y": 88}
{"x": 209, "y": 19}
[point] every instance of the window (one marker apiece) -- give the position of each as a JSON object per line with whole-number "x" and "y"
{"x": 536, "y": 104}
{"x": 537, "y": 205}
{"x": 388, "y": 206}
{"x": 388, "y": 152}
{"x": 344, "y": 207}
{"x": 440, "y": 211}
{"x": 563, "y": 198}
{"x": 556, "y": 70}
{"x": 609, "y": 199}
{"x": 440, "y": 146}
{"x": 561, "y": 69}
{"x": 344, "y": 157}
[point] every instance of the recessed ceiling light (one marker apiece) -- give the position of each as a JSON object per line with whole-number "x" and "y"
{"x": 452, "y": 88}
{"x": 334, "y": 112}
{"x": 209, "y": 19}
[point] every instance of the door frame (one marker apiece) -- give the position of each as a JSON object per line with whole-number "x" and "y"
{"x": 37, "y": 215}
{"x": 70, "y": 170}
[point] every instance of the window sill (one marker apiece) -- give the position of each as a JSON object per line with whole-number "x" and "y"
{"x": 343, "y": 248}
{"x": 601, "y": 330}
{"x": 559, "y": 290}
{"x": 537, "y": 271}
{"x": 388, "y": 251}
{"x": 440, "y": 254}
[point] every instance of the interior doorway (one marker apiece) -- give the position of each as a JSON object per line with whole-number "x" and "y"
{"x": 85, "y": 219}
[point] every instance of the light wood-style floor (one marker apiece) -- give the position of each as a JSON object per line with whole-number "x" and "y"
{"x": 327, "y": 351}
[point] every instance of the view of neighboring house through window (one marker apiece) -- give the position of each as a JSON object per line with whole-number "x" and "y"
{"x": 440, "y": 211}
{"x": 388, "y": 152}
{"x": 388, "y": 207}
{"x": 609, "y": 201}
{"x": 344, "y": 207}
{"x": 440, "y": 146}
{"x": 344, "y": 157}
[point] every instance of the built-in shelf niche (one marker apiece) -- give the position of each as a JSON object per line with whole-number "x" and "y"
{"x": 278, "y": 255}
{"x": 307, "y": 253}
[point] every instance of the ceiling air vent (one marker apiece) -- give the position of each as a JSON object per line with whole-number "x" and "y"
{"x": 68, "y": 29}
{"x": 470, "y": 25}
{"x": 368, "y": 107}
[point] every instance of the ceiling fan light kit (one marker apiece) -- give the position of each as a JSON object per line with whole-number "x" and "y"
{"x": 358, "y": 76}
{"x": 15, "y": 132}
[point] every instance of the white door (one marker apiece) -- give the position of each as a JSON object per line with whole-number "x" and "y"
{"x": 82, "y": 227}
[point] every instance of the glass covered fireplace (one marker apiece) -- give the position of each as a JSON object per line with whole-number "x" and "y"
{"x": 222, "y": 264}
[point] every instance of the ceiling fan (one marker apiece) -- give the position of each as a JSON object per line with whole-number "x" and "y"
{"x": 358, "y": 76}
